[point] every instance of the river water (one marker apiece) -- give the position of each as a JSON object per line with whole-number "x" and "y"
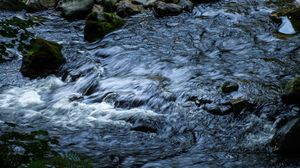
{"x": 137, "y": 98}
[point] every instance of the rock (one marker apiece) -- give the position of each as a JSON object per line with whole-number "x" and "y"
{"x": 37, "y": 5}
{"x": 12, "y": 5}
{"x": 229, "y": 87}
{"x": 186, "y": 5}
{"x": 75, "y": 9}
{"x": 97, "y": 27}
{"x": 126, "y": 8}
{"x": 166, "y": 9}
{"x": 98, "y": 9}
{"x": 171, "y": 1}
{"x": 203, "y": 1}
{"x": 43, "y": 58}
{"x": 145, "y": 3}
{"x": 217, "y": 109}
{"x": 239, "y": 104}
{"x": 286, "y": 139}
{"x": 293, "y": 95}
{"x": 109, "y": 5}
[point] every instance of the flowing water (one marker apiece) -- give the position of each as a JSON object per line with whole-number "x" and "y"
{"x": 136, "y": 98}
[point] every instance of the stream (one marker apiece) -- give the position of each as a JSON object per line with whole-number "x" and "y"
{"x": 137, "y": 97}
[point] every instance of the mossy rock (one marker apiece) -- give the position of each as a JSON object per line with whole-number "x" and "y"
{"x": 229, "y": 87}
{"x": 15, "y": 37}
{"x": 97, "y": 27}
{"x": 43, "y": 58}
{"x": 33, "y": 150}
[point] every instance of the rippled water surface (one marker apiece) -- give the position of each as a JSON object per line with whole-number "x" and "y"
{"x": 137, "y": 97}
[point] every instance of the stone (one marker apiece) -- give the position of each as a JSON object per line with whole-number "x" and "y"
{"x": 229, "y": 87}
{"x": 162, "y": 9}
{"x": 97, "y": 27}
{"x": 37, "y": 5}
{"x": 239, "y": 104}
{"x": 145, "y": 3}
{"x": 12, "y": 5}
{"x": 109, "y": 5}
{"x": 127, "y": 8}
{"x": 217, "y": 109}
{"x": 43, "y": 58}
{"x": 75, "y": 9}
{"x": 286, "y": 139}
{"x": 186, "y": 5}
{"x": 293, "y": 92}
{"x": 203, "y": 1}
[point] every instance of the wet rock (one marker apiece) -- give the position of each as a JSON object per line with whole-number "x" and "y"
{"x": 239, "y": 104}
{"x": 14, "y": 37}
{"x": 127, "y": 8}
{"x": 217, "y": 109}
{"x": 12, "y": 5}
{"x": 286, "y": 139}
{"x": 109, "y": 5}
{"x": 75, "y": 9}
{"x": 43, "y": 58}
{"x": 186, "y": 5}
{"x": 97, "y": 26}
{"x": 98, "y": 9}
{"x": 171, "y": 1}
{"x": 293, "y": 92}
{"x": 37, "y": 5}
{"x": 203, "y": 1}
{"x": 166, "y": 9}
{"x": 145, "y": 3}
{"x": 229, "y": 87}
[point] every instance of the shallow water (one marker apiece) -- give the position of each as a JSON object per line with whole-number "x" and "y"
{"x": 148, "y": 75}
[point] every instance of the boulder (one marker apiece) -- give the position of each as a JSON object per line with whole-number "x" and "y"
{"x": 229, "y": 87}
{"x": 127, "y": 8}
{"x": 43, "y": 58}
{"x": 12, "y": 5}
{"x": 37, "y": 5}
{"x": 293, "y": 92}
{"x": 286, "y": 139}
{"x": 75, "y": 9}
{"x": 97, "y": 26}
{"x": 166, "y": 9}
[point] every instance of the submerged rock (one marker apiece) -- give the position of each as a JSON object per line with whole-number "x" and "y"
{"x": 43, "y": 58}
{"x": 12, "y": 5}
{"x": 97, "y": 26}
{"x": 286, "y": 139}
{"x": 75, "y": 9}
{"x": 166, "y": 9}
{"x": 229, "y": 87}
{"x": 127, "y": 8}
{"x": 293, "y": 92}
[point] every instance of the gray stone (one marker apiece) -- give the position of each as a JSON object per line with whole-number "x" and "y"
{"x": 75, "y": 9}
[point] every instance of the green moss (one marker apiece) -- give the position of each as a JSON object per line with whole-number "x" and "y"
{"x": 15, "y": 36}
{"x": 43, "y": 58}
{"x": 33, "y": 150}
{"x": 97, "y": 27}
{"x": 293, "y": 85}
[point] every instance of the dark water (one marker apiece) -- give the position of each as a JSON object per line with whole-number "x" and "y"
{"x": 148, "y": 74}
